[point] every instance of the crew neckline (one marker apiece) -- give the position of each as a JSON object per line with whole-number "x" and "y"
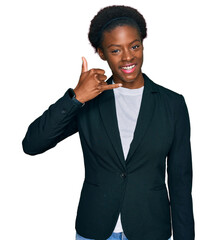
{"x": 128, "y": 91}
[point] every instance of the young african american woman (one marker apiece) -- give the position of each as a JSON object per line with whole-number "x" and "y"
{"x": 131, "y": 131}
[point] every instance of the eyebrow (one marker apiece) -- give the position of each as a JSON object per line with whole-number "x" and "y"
{"x": 116, "y": 45}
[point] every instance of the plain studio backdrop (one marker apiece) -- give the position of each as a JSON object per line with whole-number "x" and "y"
{"x": 41, "y": 46}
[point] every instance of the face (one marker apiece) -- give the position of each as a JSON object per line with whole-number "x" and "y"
{"x": 122, "y": 48}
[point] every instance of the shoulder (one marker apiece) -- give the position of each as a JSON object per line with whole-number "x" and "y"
{"x": 164, "y": 93}
{"x": 172, "y": 101}
{"x": 167, "y": 92}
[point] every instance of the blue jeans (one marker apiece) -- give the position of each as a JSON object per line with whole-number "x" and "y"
{"x": 114, "y": 236}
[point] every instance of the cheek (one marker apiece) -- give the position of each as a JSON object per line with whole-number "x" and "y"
{"x": 113, "y": 63}
{"x": 140, "y": 56}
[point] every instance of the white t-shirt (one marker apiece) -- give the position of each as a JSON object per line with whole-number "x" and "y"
{"x": 127, "y": 102}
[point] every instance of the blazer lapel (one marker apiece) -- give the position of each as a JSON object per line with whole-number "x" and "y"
{"x": 146, "y": 112}
{"x": 109, "y": 117}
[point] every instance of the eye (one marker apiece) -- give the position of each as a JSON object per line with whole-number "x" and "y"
{"x": 135, "y": 46}
{"x": 115, "y": 51}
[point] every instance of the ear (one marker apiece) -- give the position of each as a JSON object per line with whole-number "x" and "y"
{"x": 101, "y": 54}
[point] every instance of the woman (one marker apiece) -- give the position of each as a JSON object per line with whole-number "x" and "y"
{"x": 129, "y": 128}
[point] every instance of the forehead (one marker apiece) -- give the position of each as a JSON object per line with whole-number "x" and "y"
{"x": 121, "y": 35}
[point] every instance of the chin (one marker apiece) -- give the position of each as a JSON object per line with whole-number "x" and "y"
{"x": 128, "y": 80}
{"x": 130, "y": 77}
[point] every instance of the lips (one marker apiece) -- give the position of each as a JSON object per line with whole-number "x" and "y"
{"x": 129, "y": 68}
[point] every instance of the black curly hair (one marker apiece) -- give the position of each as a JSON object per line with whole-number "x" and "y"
{"x": 110, "y": 17}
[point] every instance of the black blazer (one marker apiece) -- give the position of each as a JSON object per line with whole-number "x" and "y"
{"x": 134, "y": 187}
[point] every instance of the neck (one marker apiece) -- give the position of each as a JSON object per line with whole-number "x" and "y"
{"x": 132, "y": 83}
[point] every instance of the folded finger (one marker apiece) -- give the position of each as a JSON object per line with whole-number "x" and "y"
{"x": 98, "y": 71}
{"x": 101, "y": 77}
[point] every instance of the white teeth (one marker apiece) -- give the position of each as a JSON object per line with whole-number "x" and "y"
{"x": 129, "y": 67}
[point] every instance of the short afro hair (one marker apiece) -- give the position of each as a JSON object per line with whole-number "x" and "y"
{"x": 110, "y": 17}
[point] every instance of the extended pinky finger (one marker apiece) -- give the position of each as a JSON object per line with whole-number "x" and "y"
{"x": 111, "y": 86}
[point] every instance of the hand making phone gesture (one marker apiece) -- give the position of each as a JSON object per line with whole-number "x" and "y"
{"x": 91, "y": 83}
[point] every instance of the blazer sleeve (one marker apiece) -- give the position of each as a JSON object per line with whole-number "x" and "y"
{"x": 57, "y": 123}
{"x": 179, "y": 169}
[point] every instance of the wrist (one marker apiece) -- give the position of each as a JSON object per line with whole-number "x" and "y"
{"x": 75, "y": 100}
{"x": 78, "y": 97}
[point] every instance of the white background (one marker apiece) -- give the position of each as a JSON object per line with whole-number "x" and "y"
{"x": 41, "y": 46}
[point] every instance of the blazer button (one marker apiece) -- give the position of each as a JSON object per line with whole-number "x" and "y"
{"x": 123, "y": 175}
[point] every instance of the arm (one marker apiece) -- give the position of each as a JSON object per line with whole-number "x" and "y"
{"x": 57, "y": 123}
{"x": 60, "y": 121}
{"x": 180, "y": 176}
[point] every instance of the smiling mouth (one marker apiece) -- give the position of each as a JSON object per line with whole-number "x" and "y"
{"x": 128, "y": 69}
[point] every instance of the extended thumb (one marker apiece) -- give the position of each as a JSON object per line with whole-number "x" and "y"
{"x": 84, "y": 65}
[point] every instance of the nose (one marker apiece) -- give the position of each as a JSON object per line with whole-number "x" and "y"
{"x": 127, "y": 55}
